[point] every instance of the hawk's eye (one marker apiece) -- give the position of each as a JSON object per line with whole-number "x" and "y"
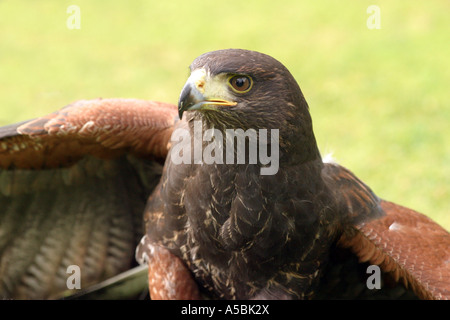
{"x": 240, "y": 84}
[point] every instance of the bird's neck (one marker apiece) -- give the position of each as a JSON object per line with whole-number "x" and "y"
{"x": 288, "y": 146}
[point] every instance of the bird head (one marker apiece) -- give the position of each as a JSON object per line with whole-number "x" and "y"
{"x": 235, "y": 88}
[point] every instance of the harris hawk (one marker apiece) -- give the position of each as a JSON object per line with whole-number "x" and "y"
{"x": 74, "y": 185}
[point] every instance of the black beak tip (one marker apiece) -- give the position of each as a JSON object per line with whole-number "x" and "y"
{"x": 180, "y": 110}
{"x": 184, "y": 102}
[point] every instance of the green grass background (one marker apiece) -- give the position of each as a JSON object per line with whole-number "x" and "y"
{"x": 379, "y": 98}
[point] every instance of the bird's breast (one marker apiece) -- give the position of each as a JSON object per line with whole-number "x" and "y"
{"x": 240, "y": 226}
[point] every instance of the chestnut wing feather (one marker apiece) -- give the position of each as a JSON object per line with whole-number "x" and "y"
{"x": 102, "y": 127}
{"x": 73, "y": 187}
{"x": 408, "y": 245}
{"x": 413, "y": 252}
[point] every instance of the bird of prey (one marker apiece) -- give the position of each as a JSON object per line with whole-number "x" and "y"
{"x": 74, "y": 186}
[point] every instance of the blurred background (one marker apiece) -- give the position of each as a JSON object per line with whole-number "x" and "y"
{"x": 376, "y": 78}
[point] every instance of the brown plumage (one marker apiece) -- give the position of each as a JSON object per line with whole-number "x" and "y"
{"x": 406, "y": 244}
{"x": 74, "y": 185}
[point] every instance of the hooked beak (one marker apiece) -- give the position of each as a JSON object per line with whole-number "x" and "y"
{"x": 192, "y": 99}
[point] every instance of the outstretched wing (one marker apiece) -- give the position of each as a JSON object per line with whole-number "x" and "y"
{"x": 73, "y": 187}
{"x": 410, "y": 249}
{"x": 409, "y": 246}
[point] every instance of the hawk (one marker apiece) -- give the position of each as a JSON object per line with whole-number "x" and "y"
{"x": 74, "y": 185}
